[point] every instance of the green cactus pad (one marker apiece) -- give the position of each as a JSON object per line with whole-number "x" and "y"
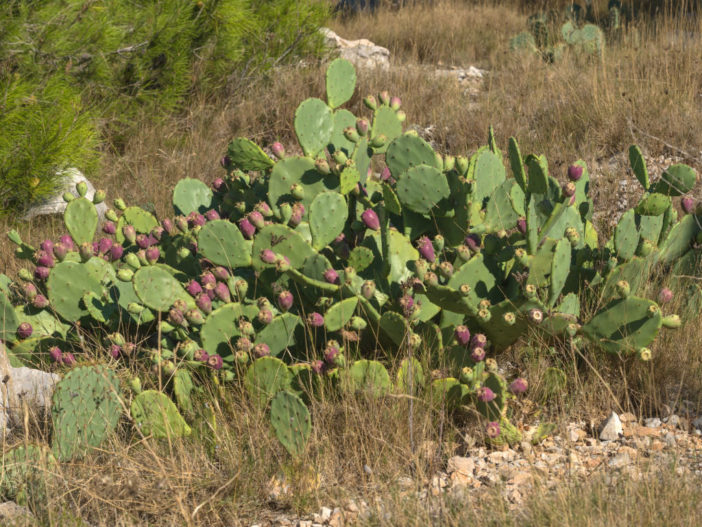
{"x": 638, "y": 165}
{"x": 679, "y": 239}
{"x": 538, "y": 174}
{"x": 343, "y": 119}
{"x": 409, "y": 151}
{"x": 560, "y": 269}
{"x": 45, "y": 324}
{"x": 158, "y": 289}
{"x": 509, "y": 434}
{"x": 634, "y": 271}
{"x": 305, "y": 383}
{"x": 191, "y": 195}
{"x": 650, "y": 227}
{"x": 264, "y": 378}
{"x": 156, "y": 415}
{"x": 448, "y": 393}
{"x": 247, "y": 155}
{"x": 626, "y": 236}
{"x": 81, "y": 219}
{"x": 221, "y": 242}
{"x": 385, "y": 122}
{"x": 392, "y": 203}
{"x": 314, "y": 124}
{"x": 487, "y": 172}
{"x": 410, "y": 377}
{"x": 100, "y": 310}
{"x": 182, "y": 388}
{"x": 301, "y": 171}
{"x": 101, "y": 270}
{"x": 362, "y": 159}
{"x": 500, "y": 213}
{"x": 482, "y": 276}
{"x": 341, "y": 82}
{"x": 653, "y": 204}
{"x": 222, "y": 325}
{"x": 348, "y": 180}
{"x": 67, "y": 284}
{"x": 340, "y": 313}
{"x": 624, "y": 325}
{"x": 143, "y": 222}
{"x": 401, "y": 252}
{"x": 284, "y": 241}
{"x": 370, "y": 377}
{"x": 421, "y": 188}
{"x": 360, "y": 258}
{"x": 8, "y": 320}
{"x": 85, "y": 410}
{"x": 524, "y": 41}
{"x": 280, "y": 333}
{"x": 676, "y": 180}
{"x": 517, "y": 164}
{"x": 25, "y": 470}
{"x": 395, "y": 326}
{"x": 291, "y": 421}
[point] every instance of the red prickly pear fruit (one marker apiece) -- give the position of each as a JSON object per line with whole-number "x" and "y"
{"x": 317, "y": 366}
{"x": 688, "y": 205}
{"x": 68, "y": 359}
{"x": 261, "y": 350}
{"x": 41, "y": 273}
{"x": 569, "y": 189}
{"x": 247, "y": 228}
{"x": 407, "y": 305}
{"x": 204, "y": 303}
{"x": 478, "y": 341}
{"x": 518, "y": 386}
{"x": 129, "y": 233}
{"x": 168, "y": 226}
{"x": 368, "y": 289}
{"x": 331, "y": 351}
{"x": 193, "y": 288}
{"x": 473, "y": 242}
{"x": 362, "y": 126}
{"x": 395, "y": 103}
{"x": 24, "y": 330}
{"x": 40, "y": 302}
{"x": 485, "y": 394}
{"x": 220, "y": 273}
{"x": 278, "y": 150}
{"x": 384, "y": 97}
{"x": 55, "y": 354}
{"x": 47, "y": 245}
{"x": 215, "y": 362}
{"x": 462, "y": 334}
{"x": 68, "y": 242}
{"x": 315, "y": 320}
{"x": 385, "y": 175}
{"x": 176, "y": 317}
{"x": 116, "y": 252}
{"x": 217, "y": 184}
{"x": 268, "y": 256}
{"x": 44, "y": 259}
{"x": 264, "y": 209}
{"x": 493, "y": 429}
{"x": 265, "y": 316}
{"x": 152, "y": 255}
{"x": 181, "y": 223}
{"x": 208, "y": 280}
{"x": 196, "y": 219}
{"x": 256, "y": 219}
{"x": 575, "y": 172}
{"x": 522, "y": 225}
{"x": 29, "y": 290}
{"x": 225, "y": 162}
{"x": 221, "y": 291}
{"x": 104, "y": 245}
{"x": 285, "y": 300}
{"x": 478, "y": 354}
{"x": 665, "y": 295}
{"x": 109, "y": 227}
{"x": 201, "y": 355}
{"x": 212, "y": 215}
{"x": 370, "y": 102}
{"x": 115, "y": 351}
{"x": 370, "y": 219}
{"x": 426, "y": 249}
{"x": 331, "y": 276}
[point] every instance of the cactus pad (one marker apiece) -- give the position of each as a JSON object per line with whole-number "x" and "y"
{"x": 314, "y": 124}
{"x": 264, "y": 378}
{"x": 81, "y": 219}
{"x": 410, "y": 376}
{"x": 156, "y": 415}
{"x": 421, "y": 188}
{"x": 340, "y": 313}
{"x": 191, "y": 195}
{"x": 369, "y": 376}
{"x": 247, "y": 155}
{"x": 291, "y": 421}
{"x": 328, "y": 213}
{"x": 221, "y": 326}
{"x": 279, "y": 335}
{"x": 67, "y": 284}
{"x": 8, "y": 319}
{"x": 676, "y": 180}
{"x": 221, "y": 242}
{"x": 341, "y": 82}
{"x": 158, "y": 289}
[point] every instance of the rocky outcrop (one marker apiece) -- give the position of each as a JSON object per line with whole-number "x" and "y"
{"x": 362, "y": 53}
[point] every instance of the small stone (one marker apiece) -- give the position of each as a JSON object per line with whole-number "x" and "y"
{"x": 652, "y": 422}
{"x": 611, "y": 429}
{"x": 13, "y": 514}
{"x": 323, "y": 515}
{"x": 669, "y": 439}
{"x": 697, "y": 423}
{"x": 627, "y": 417}
{"x": 673, "y": 421}
{"x": 462, "y": 465}
{"x": 352, "y": 506}
{"x": 337, "y": 518}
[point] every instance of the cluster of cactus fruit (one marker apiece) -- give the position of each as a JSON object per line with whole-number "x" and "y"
{"x": 574, "y": 28}
{"x": 291, "y": 271}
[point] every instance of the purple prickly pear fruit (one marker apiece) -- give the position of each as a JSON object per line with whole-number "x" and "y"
{"x": 204, "y": 303}
{"x": 493, "y": 429}
{"x": 196, "y": 219}
{"x": 193, "y": 288}
{"x": 267, "y": 256}
{"x": 265, "y": 316}
{"x": 212, "y": 215}
{"x": 370, "y": 218}
{"x": 575, "y": 172}
{"x": 60, "y": 251}
{"x": 317, "y": 366}
{"x": 55, "y": 354}
{"x": 368, "y": 289}
{"x": 68, "y": 359}
{"x": 44, "y": 259}
{"x": 688, "y": 205}
{"x": 47, "y": 245}
{"x": 407, "y": 305}
{"x": 208, "y": 280}
{"x": 278, "y": 150}
{"x": 247, "y": 228}
{"x": 217, "y": 184}
{"x": 24, "y": 330}
{"x": 176, "y": 317}
{"x": 665, "y": 295}
{"x": 569, "y": 189}
{"x": 41, "y": 273}
{"x": 518, "y": 386}
{"x": 285, "y": 300}
{"x": 362, "y": 126}
{"x": 220, "y": 273}
{"x": 478, "y": 341}
{"x": 315, "y": 320}
{"x": 331, "y": 351}
{"x": 201, "y": 355}
{"x": 426, "y": 249}
{"x": 384, "y": 97}
{"x": 477, "y": 354}
{"x": 535, "y": 315}
{"x": 104, "y": 245}
{"x": 485, "y": 394}
{"x": 109, "y": 227}
{"x": 244, "y": 344}
{"x": 129, "y": 233}
{"x": 299, "y": 209}
{"x": 222, "y": 292}
{"x": 116, "y": 252}
{"x": 29, "y": 290}
{"x": 264, "y": 209}
{"x": 473, "y": 242}
{"x": 215, "y": 362}
{"x": 385, "y": 175}
{"x": 115, "y": 351}
{"x": 462, "y": 334}
{"x": 395, "y": 103}
{"x": 68, "y": 242}
{"x": 225, "y": 161}
{"x": 522, "y": 225}
{"x": 168, "y": 226}
{"x": 256, "y": 219}
{"x": 181, "y": 223}
{"x": 331, "y": 276}
{"x": 40, "y": 302}
{"x": 261, "y": 350}
{"x": 370, "y": 102}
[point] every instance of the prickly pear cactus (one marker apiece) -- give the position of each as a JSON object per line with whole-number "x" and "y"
{"x": 291, "y": 421}
{"x": 156, "y": 415}
{"x": 85, "y": 410}
{"x": 25, "y": 470}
